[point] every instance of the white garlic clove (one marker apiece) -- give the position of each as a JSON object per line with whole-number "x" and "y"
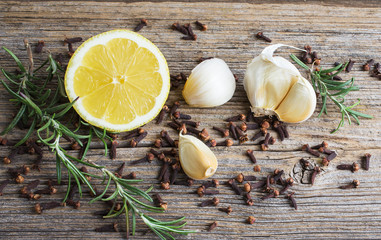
{"x": 299, "y": 104}
{"x": 197, "y": 160}
{"x": 210, "y": 84}
{"x": 275, "y": 86}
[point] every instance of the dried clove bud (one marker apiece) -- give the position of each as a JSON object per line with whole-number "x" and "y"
{"x": 366, "y": 161}
{"x": 314, "y": 173}
{"x": 250, "y": 153}
{"x": 353, "y": 167}
{"x": 40, "y": 207}
{"x": 113, "y": 227}
{"x": 240, "y": 178}
{"x": 201, "y": 191}
{"x": 212, "y": 226}
{"x": 308, "y": 149}
{"x": 214, "y": 201}
{"x": 353, "y": 184}
{"x": 234, "y": 186}
{"x": 142, "y": 23}
{"x": 250, "y": 220}
{"x": 214, "y": 183}
{"x": 292, "y": 199}
{"x": 227, "y": 210}
{"x": 203, "y": 27}
{"x": 159, "y": 202}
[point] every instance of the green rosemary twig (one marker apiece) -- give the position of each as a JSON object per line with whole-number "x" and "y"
{"x": 327, "y": 88}
{"x": 44, "y": 119}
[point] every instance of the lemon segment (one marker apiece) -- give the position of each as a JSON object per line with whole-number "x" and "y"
{"x": 121, "y": 79}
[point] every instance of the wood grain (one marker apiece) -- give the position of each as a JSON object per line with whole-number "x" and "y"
{"x": 337, "y": 31}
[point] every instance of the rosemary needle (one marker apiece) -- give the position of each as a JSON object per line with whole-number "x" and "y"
{"x": 39, "y": 109}
{"x": 327, "y": 88}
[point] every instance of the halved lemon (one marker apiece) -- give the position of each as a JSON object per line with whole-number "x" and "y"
{"x": 121, "y": 79}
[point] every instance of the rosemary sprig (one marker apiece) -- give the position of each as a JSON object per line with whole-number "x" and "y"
{"x": 44, "y": 119}
{"x": 327, "y": 88}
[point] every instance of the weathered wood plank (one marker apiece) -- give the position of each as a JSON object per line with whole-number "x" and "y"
{"x": 336, "y": 31}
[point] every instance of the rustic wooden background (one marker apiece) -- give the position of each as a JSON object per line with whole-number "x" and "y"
{"x": 338, "y": 31}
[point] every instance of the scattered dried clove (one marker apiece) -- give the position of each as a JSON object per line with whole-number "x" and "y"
{"x": 248, "y": 199}
{"x": 250, "y": 220}
{"x": 353, "y": 184}
{"x": 119, "y": 172}
{"x": 179, "y": 115}
{"x": 257, "y": 168}
{"x": 224, "y": 132}
{"x": 227, "y": 143}
{"x": 239, "y": 117}
{"x": 353, "y": 167}
{"x": 143, "y": 22}
{"x": 292, "y": 199}
{"x": 289, "y": 183}
{"x": 240, "y": 178}
{"x": 40, "y": 207}
{"x": 191, "y": 123}
{"x": 227, "y": 210}
{"x": 159, "y": 202}
{"x": 214, "y": 201}
{"x": 323, "y": 145}
{"x": 201, "y": 191}
{"x": 26, "y": 189}
{"x": 234, "y": 186}
{"x": 113, "y": 227}
{"x": 314, "y": 173}
{"x": 258, "y": 184}
{"x": 260, "y": 35}
{"x": 309, "y": 150}
{"x": 39, "y": 46}
{"x": 176, "y": 168}
{"x": 305, "y": 164}
{"x": 162, "y": 113}
{"x": 191, "y": 35}
{"x": 350, "y": 65}
{"x": 114, "y": 144}
{"x": 164, "y": 134}
{"x": 147, "y": 158}
{"x": 203, "y": 27}
{"x": 131, "y": 175}
{"x": 214, "y": 183}
{"x": 72, "y": 40}
{"x": 272, "y": 194}
{"x": 212, "y": 226}
{"x": 366, "y": 161}
{"x": 134, "y": 142}
{"x": 180, "y": 28}
{"x": 133, "y": 133}
{"x": 278, "y": 128}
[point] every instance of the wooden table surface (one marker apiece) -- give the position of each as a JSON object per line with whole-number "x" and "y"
{"x": 338, "y": 31}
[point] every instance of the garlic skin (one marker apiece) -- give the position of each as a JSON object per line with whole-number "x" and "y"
{"x": 210, "y": 84}
{"x": 197, "y": 160}
{"x": 275, "y": 86}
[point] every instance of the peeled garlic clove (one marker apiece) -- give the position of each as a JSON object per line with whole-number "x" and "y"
{"x": 197, "y": 160}
{"x": 299, "y": 104}
{"x": 210, "y": 84}
{"x": 275, "y": 86}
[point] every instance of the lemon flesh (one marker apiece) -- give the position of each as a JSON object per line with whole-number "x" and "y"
{"x": 121, "y": 79}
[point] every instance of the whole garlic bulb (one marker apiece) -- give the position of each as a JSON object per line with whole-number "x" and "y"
{"x": 275, "y": 86}
{"x": 210, "y": 84}
{"x": 197, "y": 160}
